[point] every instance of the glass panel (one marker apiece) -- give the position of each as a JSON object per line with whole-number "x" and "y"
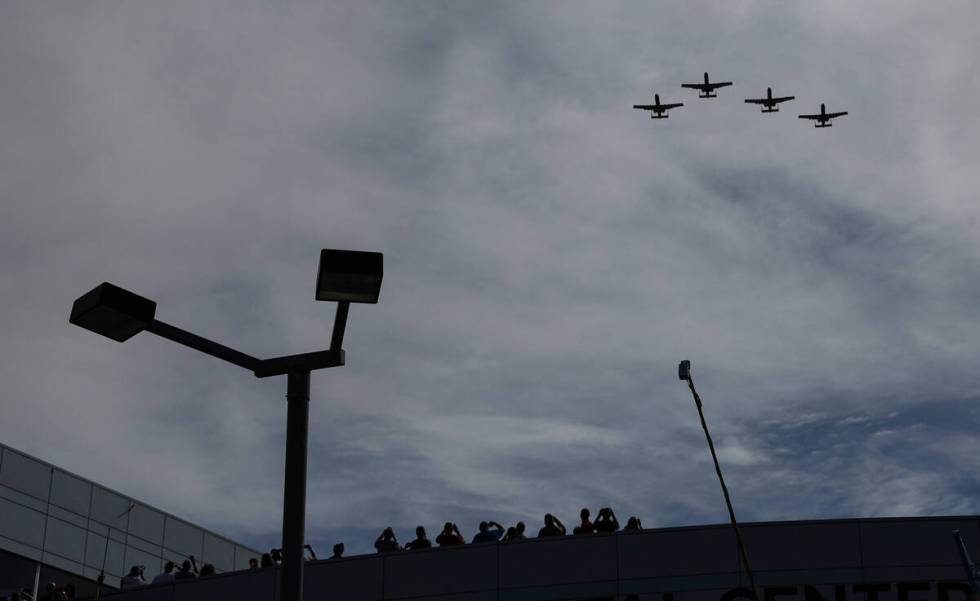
{"x": 18, "y": 497}
{"x": 109, "y": 508}
{"x": 151, "y": 563}
{"x": 95, "y": 554}
{"x": 62, "y": 563}
{"x": 142, "y": 545}
{"x": 183, "y": 538}
{"x": 219, "y": 552}
{"x": 21, "y": 524}
{"x": 65, "y": 540}
{"x": 25, "y": 474}
{"x": 68, "y": 516}
{"x": 147, "y": 524}
{"x": 98, "y": 528}
{"x": 20, "y": 548}
{"x": 70, "y": 492}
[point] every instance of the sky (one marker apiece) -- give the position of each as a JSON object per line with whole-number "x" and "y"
{"x": 551, "y": 254}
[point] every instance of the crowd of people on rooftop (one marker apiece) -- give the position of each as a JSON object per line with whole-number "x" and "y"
{"x": 488, "y": 532}
{"x": 491, "y": 532}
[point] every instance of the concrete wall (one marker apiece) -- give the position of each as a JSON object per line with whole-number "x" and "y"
{"x": 909, "y": 557}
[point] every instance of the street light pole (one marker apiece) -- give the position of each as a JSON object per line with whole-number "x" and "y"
{"x": 684, "y": 372}
{"x": 294, "y": 488}
{"x": 344, "y": 276}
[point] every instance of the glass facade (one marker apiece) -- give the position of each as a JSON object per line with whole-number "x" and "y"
{"x": 74, "y": 526}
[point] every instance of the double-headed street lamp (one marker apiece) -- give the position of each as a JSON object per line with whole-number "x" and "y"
{"x": 344, "y": 276}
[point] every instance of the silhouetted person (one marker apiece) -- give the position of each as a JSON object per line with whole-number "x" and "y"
{"x": 552, "y": 526}
{"x": 22, "y": 595}
{"x": 338, "y": 551}
{"x": 586, "y": 526}
{"x": 134, "y": 578}
{"x": 276, "y": 556}
{"x": 420, "y": 542}
{"x": 509, "y": 535}
{"x": 51, "y": 593}
{"x": 267, "y": 561}
{"x": 312, "y": 552}
{"x": 386, "y": 541}
{"x": 450, "y": 536}
{"x": 633, "y": 524}
{"x": 69, "y": 592}
{"x": 486, "y": 535}
{"x": 207, "y": 570}
{"x": 606, "y": 522}
{"x": 167, "y": 575}
{"x": 253, "y": 564}
{"x": 187, "y": 570}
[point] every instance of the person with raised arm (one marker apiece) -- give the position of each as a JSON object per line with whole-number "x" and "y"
{"x": 552, "y": 527}
{"x": 486, "y": 535}
{"x": 606, "y": 522}
{"x": 450, "y": 536}
{"x": 386, "y": 542}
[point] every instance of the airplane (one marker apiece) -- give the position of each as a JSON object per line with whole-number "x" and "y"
{"x": 769, "y": 103}
{"x": 658, "y": 110}
{"x": 706, "y": 88}
{"x": 824, "y": 117}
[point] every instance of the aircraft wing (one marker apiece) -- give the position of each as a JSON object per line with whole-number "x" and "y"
{"x": 756, "y": 100}
{"x": 811, "y": 116}
{"x": 695, "y": 86}
{"x": 834, "y": 115}
{"x": 671, "y": 106}
{"x": 784, "y": 98}
{"x": 645, "y": 107}
{"x": 720, "y": 84}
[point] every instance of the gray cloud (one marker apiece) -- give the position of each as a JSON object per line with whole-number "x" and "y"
{"x": 550, "y": 255}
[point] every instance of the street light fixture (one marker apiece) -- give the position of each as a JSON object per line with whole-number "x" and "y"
{"x": 344, "y": 276}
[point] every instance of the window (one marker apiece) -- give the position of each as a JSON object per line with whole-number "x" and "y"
{"x": 25, "y": 474}
{"x": 70, "y": 492}
{"x": 65, "y": 540}
{"x": 21, "y": 524}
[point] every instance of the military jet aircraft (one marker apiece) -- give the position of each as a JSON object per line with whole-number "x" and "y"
{"x": 770, "y": 104}
{"x": 658, "y": 110}
{"x": 823, "y": 119}
{"x": 707, "y": 87}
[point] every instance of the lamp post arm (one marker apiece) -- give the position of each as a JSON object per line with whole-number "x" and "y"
{"x": 339, "y": 325}
{"x": 203, "y": 344}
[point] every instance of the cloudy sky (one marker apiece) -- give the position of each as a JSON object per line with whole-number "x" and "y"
{"x": 550, "y": 255}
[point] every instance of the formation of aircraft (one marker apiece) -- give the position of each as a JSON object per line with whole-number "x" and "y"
{"x": 770, "y": 104}
{"x": 658, "y": 110}
{"x": 823, "y": 117}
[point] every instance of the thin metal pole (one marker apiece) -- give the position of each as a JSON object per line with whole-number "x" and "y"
{"x": 294, "y": 489}
{"x": 724, "y": 489}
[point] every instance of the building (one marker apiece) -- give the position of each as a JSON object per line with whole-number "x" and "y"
{"x": 56, "y": 526}
{"x": 885, "y": 559}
